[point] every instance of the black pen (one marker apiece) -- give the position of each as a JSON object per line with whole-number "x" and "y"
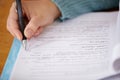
{"x": 21, "y": 21}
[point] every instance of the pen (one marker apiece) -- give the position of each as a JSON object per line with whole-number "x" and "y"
{"x": 21, "y": 22}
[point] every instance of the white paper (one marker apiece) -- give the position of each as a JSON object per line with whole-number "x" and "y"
{"x": 78, "y": 49}
{"x": 116, "y": 51}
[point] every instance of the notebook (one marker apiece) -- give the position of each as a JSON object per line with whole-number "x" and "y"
{"x": 83, "y": 48}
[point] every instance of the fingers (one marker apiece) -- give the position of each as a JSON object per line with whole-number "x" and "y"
{"x": 33, "y": 27}
{"x": 12, "y": 24}
{"x": 39, "y": 15}
{"x": 38, "y": 31}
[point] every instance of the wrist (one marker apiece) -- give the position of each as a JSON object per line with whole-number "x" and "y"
{"x": 54, "y": 10}
{"x": 57, "y": 11}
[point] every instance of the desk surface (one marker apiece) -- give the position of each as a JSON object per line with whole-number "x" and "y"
{"x": 5, "y": 37}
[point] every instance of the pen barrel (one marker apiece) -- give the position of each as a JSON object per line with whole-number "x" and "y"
{"x": 21, "y": 21}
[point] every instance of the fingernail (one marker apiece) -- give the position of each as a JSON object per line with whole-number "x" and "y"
{"x": 29, "y": 33}
{"x": 18, "y": 37}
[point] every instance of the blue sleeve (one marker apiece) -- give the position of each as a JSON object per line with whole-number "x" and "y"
{"x": 72, "y": 8}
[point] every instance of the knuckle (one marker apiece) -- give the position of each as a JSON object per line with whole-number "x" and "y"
{"x": 13, "y": 7}
{"x": 14, "y": 3}
{"x": 8, "y": 27}
{"x": 33, "y": 27}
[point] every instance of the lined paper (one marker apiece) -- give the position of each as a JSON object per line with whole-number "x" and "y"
{"x": 76, "y": 49}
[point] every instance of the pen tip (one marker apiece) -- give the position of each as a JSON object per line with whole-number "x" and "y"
{"x": 24, "y": 44}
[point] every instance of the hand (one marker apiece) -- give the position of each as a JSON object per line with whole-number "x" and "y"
{"x": 40, "y": 13}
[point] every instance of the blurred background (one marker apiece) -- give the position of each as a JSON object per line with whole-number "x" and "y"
{"x": 5, "y": 37}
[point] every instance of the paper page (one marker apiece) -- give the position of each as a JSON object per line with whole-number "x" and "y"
{"x": 116, "y": 51}
{"x": 113, "y": 77}
{"x": 78, "y": 49}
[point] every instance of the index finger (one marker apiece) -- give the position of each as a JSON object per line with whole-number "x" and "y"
{"x": 12, "y": 22}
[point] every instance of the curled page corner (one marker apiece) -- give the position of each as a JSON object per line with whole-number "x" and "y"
{"x": 116, "y": 52}
{"x": 117, "y": 65}
{"x": 116, "y": 58}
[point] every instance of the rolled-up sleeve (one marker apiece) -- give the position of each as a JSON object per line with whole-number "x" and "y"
{"x": 72, "y": 8}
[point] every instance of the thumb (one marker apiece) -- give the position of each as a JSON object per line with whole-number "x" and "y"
{"x": 32, "y": 27}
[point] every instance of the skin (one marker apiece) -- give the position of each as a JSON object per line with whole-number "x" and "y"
{"x": 39, "y": 13}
